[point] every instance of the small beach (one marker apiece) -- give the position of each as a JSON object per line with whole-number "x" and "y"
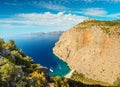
{"x": 69, "y": 74}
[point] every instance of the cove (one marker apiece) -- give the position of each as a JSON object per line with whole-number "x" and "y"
{"x": 39, "y": 48}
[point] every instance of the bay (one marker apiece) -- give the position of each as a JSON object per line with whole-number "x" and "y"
{"x": 39, "y": 47}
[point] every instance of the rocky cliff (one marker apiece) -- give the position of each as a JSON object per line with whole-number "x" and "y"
{"x": 93, "y": 49}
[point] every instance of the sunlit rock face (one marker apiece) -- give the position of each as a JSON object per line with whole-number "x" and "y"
{"x": 93, "y": 49}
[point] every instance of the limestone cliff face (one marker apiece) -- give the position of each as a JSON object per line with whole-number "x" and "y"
{"x": 93, "y": 49}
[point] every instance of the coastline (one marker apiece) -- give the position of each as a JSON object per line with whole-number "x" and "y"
{"x": 69, "y": 74}
{"x": 68, "y": 71}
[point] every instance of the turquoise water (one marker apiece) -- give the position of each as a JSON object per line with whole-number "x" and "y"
{"x": 39, "y": 47}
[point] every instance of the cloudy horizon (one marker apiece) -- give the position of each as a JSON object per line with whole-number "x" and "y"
{"x": 18, "y": 17}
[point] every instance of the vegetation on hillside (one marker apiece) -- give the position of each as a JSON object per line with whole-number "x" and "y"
{"x": 17, "y": 69}
{"x": 79, "y": 77}
{"x": 117, "y": 82}
{"x": 110, "y": 27}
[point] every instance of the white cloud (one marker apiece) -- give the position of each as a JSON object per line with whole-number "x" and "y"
{"x": 51, "y": 5}
{"x": 90, "y": 12}
{"x": 10, "y": 26}
{"x": 88, "y": 1}
{"x": 108, "y": 1}
{"x": 13, "y": 4}
{"x": 113, "y": 1}
{"x": 116, "y": 0}
{"x": 116, "y": 15}
{"x": 46, "y": 18}
{"x": 94, "y": 12}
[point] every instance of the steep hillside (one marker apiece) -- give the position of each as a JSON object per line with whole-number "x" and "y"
{"x": 93, "y": 49}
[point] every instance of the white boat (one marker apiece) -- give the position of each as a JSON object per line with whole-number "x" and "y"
{"x": 51, "y": 70}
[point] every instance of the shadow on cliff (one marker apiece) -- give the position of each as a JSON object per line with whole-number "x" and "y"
{"x": 73, "y": 83}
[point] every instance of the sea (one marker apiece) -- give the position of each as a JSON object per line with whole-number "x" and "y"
{"x": 40, "y": 48}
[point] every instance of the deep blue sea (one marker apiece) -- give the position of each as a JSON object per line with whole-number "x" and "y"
{"x": 39, "y": 47}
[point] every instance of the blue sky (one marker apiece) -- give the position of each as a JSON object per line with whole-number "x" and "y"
{"x": 26, "y": 16}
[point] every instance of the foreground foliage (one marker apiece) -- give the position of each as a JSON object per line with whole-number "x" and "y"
{"x": 17, "y": 69}
{"x": 79, "y": 77}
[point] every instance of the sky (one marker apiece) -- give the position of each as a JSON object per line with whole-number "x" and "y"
{"x": 27, "y": 16}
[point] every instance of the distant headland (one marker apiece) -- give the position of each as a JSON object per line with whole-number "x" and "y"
{"x": 43, "y": 33}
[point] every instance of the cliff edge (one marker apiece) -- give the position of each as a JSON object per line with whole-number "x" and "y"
{"x": 93, "y": 49}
